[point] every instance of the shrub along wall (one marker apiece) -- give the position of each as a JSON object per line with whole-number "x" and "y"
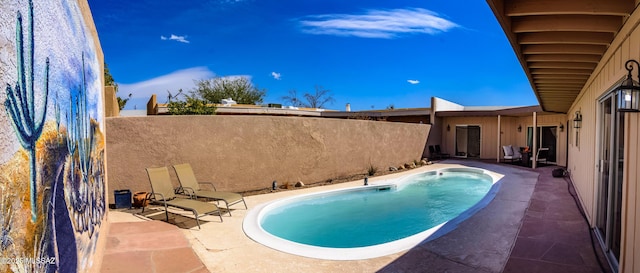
{"x": 242, "y": 153}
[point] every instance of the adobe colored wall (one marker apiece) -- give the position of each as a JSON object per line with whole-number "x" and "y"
{"x": 241, "y": 153}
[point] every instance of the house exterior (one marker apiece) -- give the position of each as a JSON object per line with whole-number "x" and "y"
{"x": 574, "y": 54}
{"x": 480, "y": 132}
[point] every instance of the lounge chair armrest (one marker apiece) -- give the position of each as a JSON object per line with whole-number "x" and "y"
{"x": 153, "y": 195}
{"x": 210, "y": 183}
{"x": 186, "y": 190}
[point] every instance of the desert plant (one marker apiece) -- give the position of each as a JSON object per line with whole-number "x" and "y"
{"x": 20, "y": 101}
{"x": 372, "y": 170}
{"x": 191, "y": 106}
{"x": 241, "y": 89}
{"x": 318, "y": 99}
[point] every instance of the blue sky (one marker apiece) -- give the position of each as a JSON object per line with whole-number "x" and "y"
{"x": 369, "y": 53}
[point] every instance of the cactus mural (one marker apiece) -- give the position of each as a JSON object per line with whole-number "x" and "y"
{"x": 52, "y": 181}
{"x": 80, "y": 133}
{"x": 5, "y": 224}
{"x": 20, "y": 101}
{"x": 80, "y": 144}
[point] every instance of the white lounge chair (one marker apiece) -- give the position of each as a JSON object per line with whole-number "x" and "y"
{"x": 541, "y": 155}
{"x": 511, "y": 154}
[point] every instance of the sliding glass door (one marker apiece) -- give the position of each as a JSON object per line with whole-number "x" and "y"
{"x": 610, "y": 163}
{"x": 468, "y": 141}
{"x": 547, "y": 138}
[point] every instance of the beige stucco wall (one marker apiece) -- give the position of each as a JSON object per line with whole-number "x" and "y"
{"x": 582, "y": 157}
{"x": 111, "y": 107}
{"x": 241, "y": 153}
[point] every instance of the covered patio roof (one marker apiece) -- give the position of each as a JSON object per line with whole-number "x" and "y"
{"x": 506, "y": 111}
{"x": 560, "y": 43}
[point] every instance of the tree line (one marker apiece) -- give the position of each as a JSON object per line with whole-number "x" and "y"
{"x": 208, "y": 92}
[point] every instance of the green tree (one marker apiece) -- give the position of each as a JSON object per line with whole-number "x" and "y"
{"x": 109, "y": 81}
{"x": 240, "y": 89}
{"x": 189, "y": 106}
{"x": 318, "y": 99}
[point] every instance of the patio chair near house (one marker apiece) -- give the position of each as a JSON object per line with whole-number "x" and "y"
{"x": 432, "y": 152}
{"x": 162, "y": 192}
{"x": 439, "y": 151}
{"x": 190, "y": 186}
{"x": 511, "y": 154}
{"x": 541, "y": 155}
{"x": 436, "y": 153}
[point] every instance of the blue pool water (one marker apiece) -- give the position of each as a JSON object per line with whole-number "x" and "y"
{"x": 376, "y": 214}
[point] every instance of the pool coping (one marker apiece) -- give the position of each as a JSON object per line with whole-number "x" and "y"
{"x": 253, "y": 229}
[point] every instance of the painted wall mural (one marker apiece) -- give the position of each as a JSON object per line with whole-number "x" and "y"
{"x": 52, "y": 187}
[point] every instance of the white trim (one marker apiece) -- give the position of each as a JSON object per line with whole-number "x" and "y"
{"x": 252, "y": 228}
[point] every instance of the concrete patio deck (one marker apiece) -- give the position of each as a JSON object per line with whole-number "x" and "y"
{"x": 532, "y": 225}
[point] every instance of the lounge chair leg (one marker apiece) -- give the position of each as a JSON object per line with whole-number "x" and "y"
{"x": 166, "y": 212}
{"x": 229, "y": 210}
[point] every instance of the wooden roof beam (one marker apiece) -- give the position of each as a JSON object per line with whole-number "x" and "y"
{"x": 546, "y": 7}
{"x": 563, "y": 49}
{"x": 539, "y": 71}
{"x": 556, "y": 81}
{"x": 553, "y": 85}
{"x": 581, "y": 58}
{"x": 566, "y": 37}
{"x": 560, "y": 76}
{"x": 570, "y": 65}
{"x": 587, "y": 23}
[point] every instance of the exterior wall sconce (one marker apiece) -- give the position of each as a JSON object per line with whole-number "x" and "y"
{"x": 519, "y": 128}
{"x": 629, "y": 91}
{"x": 577, "y": 121}
{"x": 448, "y": 127}
{"x": 561, "y": 127}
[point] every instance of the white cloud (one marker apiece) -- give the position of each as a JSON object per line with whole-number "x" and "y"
{"x": 182, "y": 39}
{"x": 385, "y": 24}
{"x": 181, "y": 79}
{"x": 276, "y": 75}
{"x": 413, "y": 81}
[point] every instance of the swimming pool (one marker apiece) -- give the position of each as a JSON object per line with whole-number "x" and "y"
{"x": 372, "y": 221}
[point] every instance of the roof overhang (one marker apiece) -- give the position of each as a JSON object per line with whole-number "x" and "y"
{"x": 560, "y": 43}
{"x": 510, "y": 112}
{"x": 380, "y": 113}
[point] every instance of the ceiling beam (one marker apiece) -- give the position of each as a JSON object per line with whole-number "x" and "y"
{"x": 553, "y": 85}
{"x": 565, "y": 37}
{"x": 554, "y": 81}
{"x": 560, "y": 71}
{"x": 563, "y": 49}
{"x": 555, "y": 89}
{"x": 570, "y": 65}
{"x": 587, "y": 23}
{"x": 546, "y": 7}
{"x": 581, "y": 58}
{"x": 560, "y": 76}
